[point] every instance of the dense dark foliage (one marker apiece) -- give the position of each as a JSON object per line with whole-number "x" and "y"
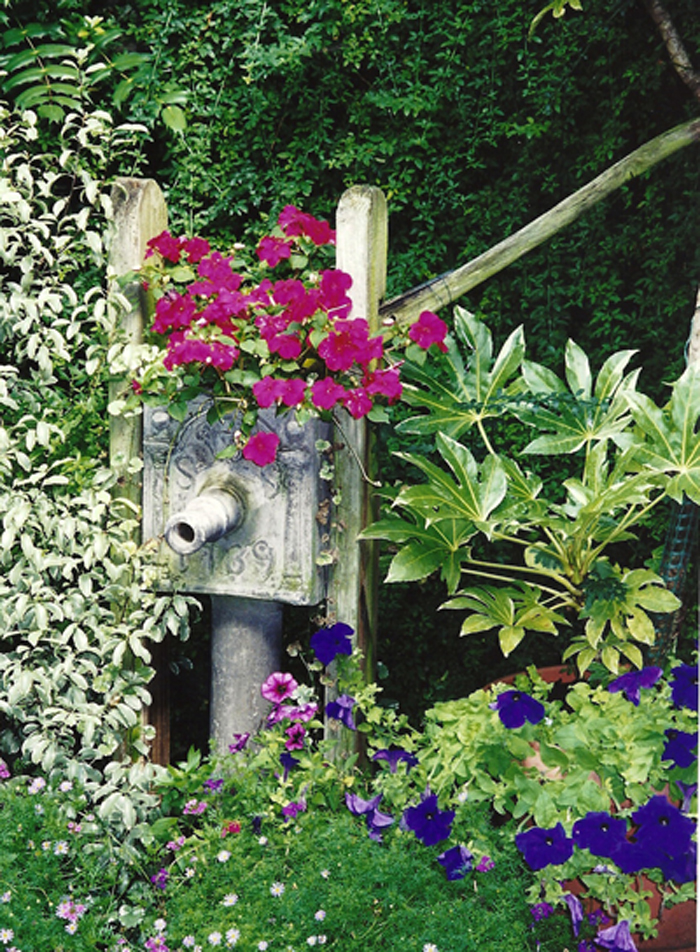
{"x": 471, "y": 129}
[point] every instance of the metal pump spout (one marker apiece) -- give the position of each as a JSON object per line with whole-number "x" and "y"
{"x": 216, "y": 510}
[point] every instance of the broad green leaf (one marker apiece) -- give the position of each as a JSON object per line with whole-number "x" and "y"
{"x": 578, "y": 370}
{"x": 509, "y": 638}
{"x": 641, "y": 627}
{"x": 540, "y": 379}
{"x": 174, "y": 118}
{"x": 415, "y": 561}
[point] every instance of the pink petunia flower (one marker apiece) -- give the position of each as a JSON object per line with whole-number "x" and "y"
{"x": 278, "y": 687}
{"x": 272, "y": 250}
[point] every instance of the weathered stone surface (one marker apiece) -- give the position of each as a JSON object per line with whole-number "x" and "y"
{"x": 272, "y": 552}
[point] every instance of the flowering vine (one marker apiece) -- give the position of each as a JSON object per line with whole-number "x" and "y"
{"x": 222, "y": 326}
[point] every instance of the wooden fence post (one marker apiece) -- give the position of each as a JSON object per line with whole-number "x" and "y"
{"x": 361, "y": 251}
{"x": 140, "y": 213}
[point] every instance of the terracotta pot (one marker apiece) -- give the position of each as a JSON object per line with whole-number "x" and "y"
{"x": 676, "y": 926}
{"x": 555, "y": 674}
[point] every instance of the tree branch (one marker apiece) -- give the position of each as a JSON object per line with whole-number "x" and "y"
{"x": 674, "y": 45}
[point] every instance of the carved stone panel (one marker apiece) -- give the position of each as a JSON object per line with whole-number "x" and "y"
{"x": 272, "y": 552}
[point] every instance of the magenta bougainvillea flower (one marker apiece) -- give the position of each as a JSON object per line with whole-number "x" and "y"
{"x": 430, "y": 824}
{"x": 272, "y": 250}
{"x": 278, "y": 687}
{"x": 330, "y": 642}
{"x": 631, "y": 683}
{"x": 427, "y": 330}
{"x": 326, "y": 393}
{"x": 294, "y": 222}
{"x": 348, "y": 343}
{"x": 173, "y": 312}
{"x": 166, "y": 245}
{"x": 261, "y": 448}
{"x": 185, "y": 350}
{"x": 385, "y": 382}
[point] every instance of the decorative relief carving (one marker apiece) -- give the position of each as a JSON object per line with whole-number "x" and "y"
{"x": 272, "y": 554}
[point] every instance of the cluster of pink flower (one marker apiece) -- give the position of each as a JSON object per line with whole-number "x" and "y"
{"x": 72, "y": 912}
{"x": 278, "y": 688}
{"x": 217, "y": 322}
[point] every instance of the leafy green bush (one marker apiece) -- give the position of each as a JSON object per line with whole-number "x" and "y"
{"x": 75, "y": 614}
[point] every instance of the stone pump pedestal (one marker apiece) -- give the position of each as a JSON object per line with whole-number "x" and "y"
{"x": 246, "y": 536}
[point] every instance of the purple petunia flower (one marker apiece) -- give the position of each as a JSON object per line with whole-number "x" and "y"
{"x": 160, "y": 879}
{"x": 278, "y": 687}
{"x": 375, "y": 819}
{"x": 330, "y": 642}
{"x": 288, "y": 761}
{"x": 430, "y": 824}
{"x": 541, "y": 910}
{"x": 680, "y": 747}
{"x": 457, "y": 862}
{"x": 214, "y": 785}
{"x": 544, "y": 847}
{"x": 684, "y": 687}
{"x": 239, "y": 743}
{"x": 661, "y": 820}
{"x": 341, "y": 710}
{"x": 600, "y": 833}
{"x": 631, "y": 683}
{"x": 4, "y": 771}
{"x": 688, "y": 791}
{"x": 359, "y": 807}
{"x": 575, "y": 911}
{"x": 395, "y": 757}
{"x": 516, "y": 707}
{"x": 485, "y": 865}
{"x": 663, "y": 841}
{"x": 292, "y": 810}
{"x": 617, "y": 938}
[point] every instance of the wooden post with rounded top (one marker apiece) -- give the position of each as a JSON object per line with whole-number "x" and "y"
{"x": 140, "y": 213}
{"x": 361, "y": 251}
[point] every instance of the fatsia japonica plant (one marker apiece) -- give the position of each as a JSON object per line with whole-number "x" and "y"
{"x": 224, "y": 329}
{"x": 553, "y": 567}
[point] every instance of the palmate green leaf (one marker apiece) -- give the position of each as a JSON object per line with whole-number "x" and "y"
{"x": 672, "y": 442}
{"x": 580, "y": 413}
{"x": 513, "y": 610}
{"x": 473, "y": 496}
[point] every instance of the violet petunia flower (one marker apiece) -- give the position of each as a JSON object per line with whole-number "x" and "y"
{"x": 395, "y": 757}
{"x": 456, "y": 861}
{"x": 617, "y": 938}
{"x": 376, "y": 822}
{"x": 688, "y": 791}
{"x": 575, "y": 911}
{"x": 292, "y": 810}
{"x": 541, "y": 910}
{"x": 239, "y": 743}
{"x": 680, "y": 747}
{"x": 330, "y": 642}
{"x": 288, "y": 762}
{"x": 684, "y": 687}
{"x": 485, "y": 865}
{"x": 600, "y": 833}
{"x": 214, "y": 786}
{"x": 430, "y": 824}
{"x": 516, "y": 707}
{"x": 341, "y": 710}
{"x": 544, "y": 847}
{"x": 631, "y": 683}
{"x": 375, "y": 819}
{"x": 278, "y": 687}
{"x": 660, "y": 820}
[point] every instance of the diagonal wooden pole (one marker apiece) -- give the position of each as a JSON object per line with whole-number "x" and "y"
{"x": 445, "y": 289}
